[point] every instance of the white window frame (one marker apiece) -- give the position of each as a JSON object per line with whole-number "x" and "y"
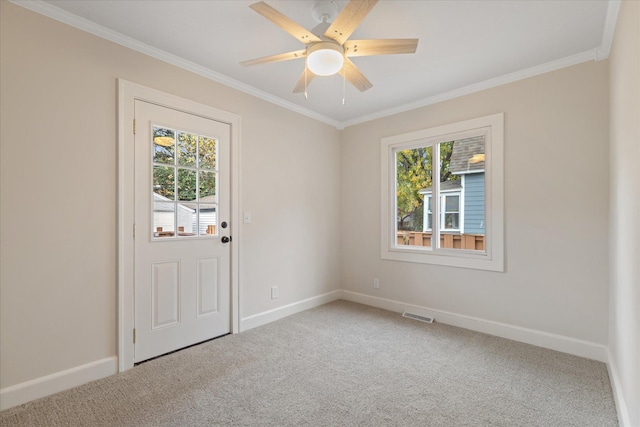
{"x": 492, "y": 258}
{"x": 443, "y": 196}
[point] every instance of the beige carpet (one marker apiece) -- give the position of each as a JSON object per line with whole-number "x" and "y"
{"x": 342, "y": 364}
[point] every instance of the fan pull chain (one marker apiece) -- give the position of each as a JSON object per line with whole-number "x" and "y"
{"x": 344, "y": 85}
{"x": 306, "y": 96}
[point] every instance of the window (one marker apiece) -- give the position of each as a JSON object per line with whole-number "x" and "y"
{"x": 184, "y": 183}
{"x": 442, "y": 195}
{"x": 449, "y": 216}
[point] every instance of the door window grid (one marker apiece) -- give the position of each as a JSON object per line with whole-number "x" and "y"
{"x": 185, "y": 184}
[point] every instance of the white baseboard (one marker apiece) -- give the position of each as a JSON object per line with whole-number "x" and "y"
{"x": 60, "y": 381}
{"x": 624, "y": 419}
{"x": 269, "y": 316}
{"x": 561, "y": 343}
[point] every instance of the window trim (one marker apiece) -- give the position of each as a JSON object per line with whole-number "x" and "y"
{"x": 492, "y": 259}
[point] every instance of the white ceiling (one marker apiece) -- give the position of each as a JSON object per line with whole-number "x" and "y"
{"x": 464, "y": 45}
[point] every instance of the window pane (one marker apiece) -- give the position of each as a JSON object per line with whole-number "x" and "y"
{"x": 186, "y": 218}
{"x": 451, "y": 221}
{"x": 428, "y": 226}
{"x": 446, "y": 151}
{"x": 207, "y": 156}
{"x": 207, "y": 185}
{"x": 462, "y": 173}
{"x": 163, "y": 181}
{"x": 452, "y": 203}
{"x": 207, "y": 220}
{"x": 186, "y": 185}
{"x": 413, "y": 185}
{"x": 163, "y": 145}
{"x": 187, "y": 149}
{"x": 163, "y": 218}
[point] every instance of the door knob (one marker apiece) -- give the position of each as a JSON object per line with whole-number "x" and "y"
{"x": 225, "y": 239}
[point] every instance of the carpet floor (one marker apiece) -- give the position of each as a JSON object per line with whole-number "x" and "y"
{"x": 341, "y": 364}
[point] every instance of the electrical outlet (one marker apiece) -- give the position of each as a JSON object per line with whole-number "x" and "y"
{"x": 376, "y": 283}
{"x": 274, "y": 292}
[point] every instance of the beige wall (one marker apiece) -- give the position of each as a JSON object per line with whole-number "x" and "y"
{"x": 624, "y": 339}
{"x": 58, "y": 193}
{"x": 556, "y": 216}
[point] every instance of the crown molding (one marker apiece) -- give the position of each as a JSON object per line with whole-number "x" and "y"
{"x": 588, "y": 55}
{"x": 65, "y": 17}
{"x": 599, "y": 53}
{"x": 604, "y": 49}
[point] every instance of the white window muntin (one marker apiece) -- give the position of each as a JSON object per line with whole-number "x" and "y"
{"x": 492, "y": 127}
{"x": 443, "y": 202}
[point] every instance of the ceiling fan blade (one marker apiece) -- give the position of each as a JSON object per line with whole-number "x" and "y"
{"x": 380, "y": 47}
{"x": 355, "y": 76}
{"x": 275, "y": 58}
{"x": 348, "y": 19}
{"x": 300, "y": 86}
{"x": 287, "y": 24}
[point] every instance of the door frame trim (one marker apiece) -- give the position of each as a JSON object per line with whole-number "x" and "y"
{"x": 128, "y": 93}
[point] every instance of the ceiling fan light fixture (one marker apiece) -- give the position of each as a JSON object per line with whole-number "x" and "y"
{"x": 325, "y": 58}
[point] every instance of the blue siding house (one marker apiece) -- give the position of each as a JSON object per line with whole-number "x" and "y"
{"x": 473, "y": 185}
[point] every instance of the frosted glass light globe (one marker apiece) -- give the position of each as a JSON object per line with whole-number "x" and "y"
{"x": 325, "y": 58}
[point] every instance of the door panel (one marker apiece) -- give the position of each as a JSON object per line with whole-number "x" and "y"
{"x": 165, "y": 294}
{"x": 207, "y": 286}
{"x": 182, "y": 267}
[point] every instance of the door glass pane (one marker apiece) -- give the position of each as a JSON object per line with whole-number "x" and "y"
{"x": 187, "y": 149}
{"x": 207, "y": 185}
{"x": 207, "y": 152}
{"x": 207, "y": 219}
{"x": 163, "y": 145}
{"x": 163, "y": 218}
{"x": 163, "y": 181}
{"x": 413, "y": 185}
{"x": 186, "y": 185}
{"x": 186, "y": 214}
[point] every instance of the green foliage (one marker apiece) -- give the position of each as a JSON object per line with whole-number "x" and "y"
{"x": 413, "y": 169}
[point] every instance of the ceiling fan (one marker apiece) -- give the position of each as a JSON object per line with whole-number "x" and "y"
{"x": 328, "y": 49}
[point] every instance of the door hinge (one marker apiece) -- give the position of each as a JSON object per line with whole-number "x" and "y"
{"x": 134, "y": 335}
{"x": 134, "y": 126}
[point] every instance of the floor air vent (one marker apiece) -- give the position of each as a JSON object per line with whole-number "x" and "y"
{"x": 418, "y": 317}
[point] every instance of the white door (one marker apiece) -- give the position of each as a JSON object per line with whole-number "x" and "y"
{"x": 182, "y": 213}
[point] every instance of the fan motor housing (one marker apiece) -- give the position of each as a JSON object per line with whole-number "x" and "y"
{"x": 324, "y": 10}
